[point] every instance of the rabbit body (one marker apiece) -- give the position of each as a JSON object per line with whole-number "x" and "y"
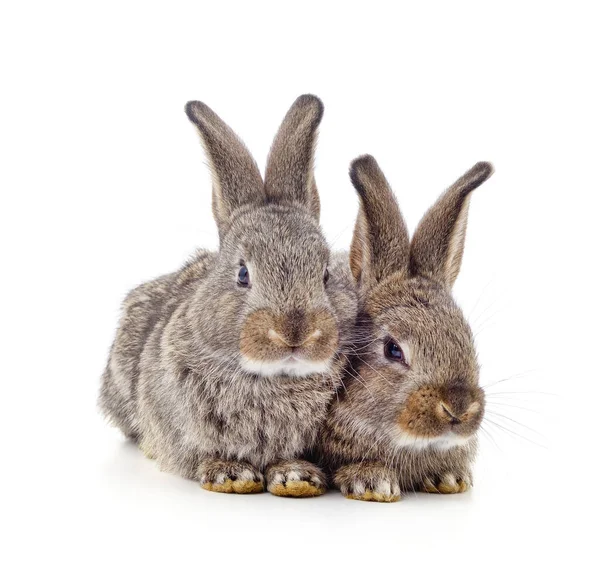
{"x": 411, "y": 405}
{"x": 224, "y": 370}
{"x": 164, "y": 388}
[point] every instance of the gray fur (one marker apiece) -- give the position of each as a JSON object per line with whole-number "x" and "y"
{"x": 174, "y": 380}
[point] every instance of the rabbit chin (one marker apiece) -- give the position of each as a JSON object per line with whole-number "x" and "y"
{"x": 442, "y": 442}
{"x": 292, "y": 367}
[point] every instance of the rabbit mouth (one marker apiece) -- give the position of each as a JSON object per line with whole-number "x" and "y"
{"x": 295, "y": 343}
{"x": 292, "y": 366}
{"x": 440, "y": 416}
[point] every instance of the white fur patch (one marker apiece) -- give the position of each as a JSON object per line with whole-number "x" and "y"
{"x": 291, "y": 366}
{"x": 358, "y": 488}
{"x": 247, "y": 475}
{"x": 440, "y": 443}
{"x": 449, "y": 480}
{"x": 279, "y": 478}
{"x": 315, "y": 480}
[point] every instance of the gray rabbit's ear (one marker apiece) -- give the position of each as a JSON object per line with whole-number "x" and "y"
{"x": 289, "y": 176}
{"x": 438, "y": 243}
{"x": 236, "y": 178}
{"x": 380, "y": 245}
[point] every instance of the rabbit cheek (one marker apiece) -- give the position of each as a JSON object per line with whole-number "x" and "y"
{"x": 322, "y": 343}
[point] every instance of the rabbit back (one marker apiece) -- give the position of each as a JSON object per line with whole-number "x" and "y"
{"x": 143, "y": 309}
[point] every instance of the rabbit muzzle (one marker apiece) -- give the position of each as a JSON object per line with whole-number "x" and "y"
{"x": 452, "y": 412}
{"x": 295, "y": 343}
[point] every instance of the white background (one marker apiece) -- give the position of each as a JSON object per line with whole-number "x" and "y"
{"x": 104, "y": 185}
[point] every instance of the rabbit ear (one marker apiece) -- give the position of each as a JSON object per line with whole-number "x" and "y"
{"x": 438, "y": 242}
{"x": 289, "y": 176}
{"x": 236, "y": 178}
{"x": 380, "y": 245}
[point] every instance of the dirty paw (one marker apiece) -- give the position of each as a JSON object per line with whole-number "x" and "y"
{"x": 296, "y": 479}
{"x": 448, "y": 483}
{"x": 147, "y": 450}
{"x": 368, "y": 482}
{"x": 230, "y": 477}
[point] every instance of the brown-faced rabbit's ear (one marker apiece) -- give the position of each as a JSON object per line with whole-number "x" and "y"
{"x": 289, "y": 176}
{"x": 236, "y": 178}
{"x": 380, "y": 245}
{"x": 438, "y": 242}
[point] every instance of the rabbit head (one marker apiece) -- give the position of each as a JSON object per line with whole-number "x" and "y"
{"x": 417, "y": 372}
{"x": 267, "y": 304}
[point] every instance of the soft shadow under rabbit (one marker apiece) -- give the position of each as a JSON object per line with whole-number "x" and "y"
{"x": 224, "y": 370}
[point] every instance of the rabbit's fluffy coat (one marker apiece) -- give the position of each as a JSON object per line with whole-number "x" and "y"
{"x": 411, "y": 404}
{"x": 182, "y": 373}
{"x": 229, "y": 382}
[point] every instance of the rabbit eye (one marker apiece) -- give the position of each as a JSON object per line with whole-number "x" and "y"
{"x": 243, "y": 276}
{"x": 393, "y": 351}
{"x": 325, "y": 276}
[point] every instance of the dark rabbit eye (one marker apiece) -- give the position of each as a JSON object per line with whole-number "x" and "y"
{"x": 243, "y": 276}
{"x": 393, "y": 351}
{"x": 325, "y": 276}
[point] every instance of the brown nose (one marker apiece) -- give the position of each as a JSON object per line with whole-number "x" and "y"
{"x": 267, "y": 335}
{"x": 447, "y": 414}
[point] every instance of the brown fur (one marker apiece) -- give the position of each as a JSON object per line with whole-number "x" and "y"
{"x": 407, "y": 426}
{"x": 269, "y": 336}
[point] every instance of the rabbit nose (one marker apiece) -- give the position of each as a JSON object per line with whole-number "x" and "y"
{"x": 447, "y": 414}
{"x": 295, "y": 330}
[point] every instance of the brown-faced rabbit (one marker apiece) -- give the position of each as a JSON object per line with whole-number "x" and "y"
{"x": 224, "y": 370}
{"x": 408, "y": 416}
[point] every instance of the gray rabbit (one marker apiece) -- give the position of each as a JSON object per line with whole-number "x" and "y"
{"x": 224, "y": 370}
{"x": 412, "y": 404}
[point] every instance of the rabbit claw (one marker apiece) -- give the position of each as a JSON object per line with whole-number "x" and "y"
{"x": 446, "y": 484}
{"x": 368, "y": 483}
{"x": 384, "y": 491}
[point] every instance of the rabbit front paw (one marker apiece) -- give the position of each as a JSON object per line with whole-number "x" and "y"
{"x": 448, "y": 483}
{"x": 230, "y": 477}
{"x": 295, "y": 479}
{"x": 368, "y": 482}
